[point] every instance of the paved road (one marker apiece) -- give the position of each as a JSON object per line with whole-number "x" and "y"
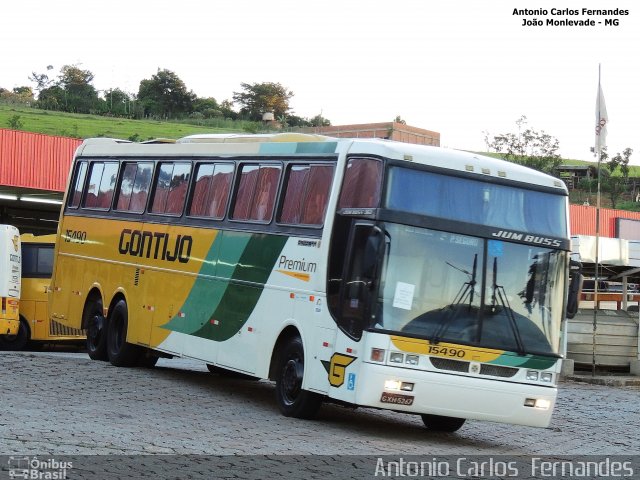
{"x": 64, "y": 403}
{"x": 64, "y": 406}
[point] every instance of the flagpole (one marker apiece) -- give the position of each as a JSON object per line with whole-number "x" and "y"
{"x": 595, "y": 290}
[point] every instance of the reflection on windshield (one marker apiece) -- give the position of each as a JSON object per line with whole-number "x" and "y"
{"x": 456, "y": 288}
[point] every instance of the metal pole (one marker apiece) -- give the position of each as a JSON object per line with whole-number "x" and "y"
{"x": 595, "y": 290}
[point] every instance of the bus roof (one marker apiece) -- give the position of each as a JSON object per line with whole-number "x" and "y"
{"x": 308, "y": 144}
{"x": 31, "y": 238}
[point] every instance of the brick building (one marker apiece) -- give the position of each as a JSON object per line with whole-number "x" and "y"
{"x": 399, "y": 132}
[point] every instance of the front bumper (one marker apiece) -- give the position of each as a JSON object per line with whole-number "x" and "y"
{"x": 457, "y": 396}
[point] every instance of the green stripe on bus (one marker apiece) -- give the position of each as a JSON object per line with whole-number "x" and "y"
{"x": 217, "y": 309}
{"x": 255, "y": 265}
{"x": 527, "y": 361}
{"x": 207, "y": 291}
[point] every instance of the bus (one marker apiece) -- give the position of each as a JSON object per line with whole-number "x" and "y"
{"x": 10, "y": 260}
{"x": 358, "y": 271}
{"x": 35, "y": 325}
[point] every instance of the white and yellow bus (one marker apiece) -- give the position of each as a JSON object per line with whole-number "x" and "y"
{"x": 36, "y": 326}
{"x": 368, "y": 272}
{"x": 10, "y": 260}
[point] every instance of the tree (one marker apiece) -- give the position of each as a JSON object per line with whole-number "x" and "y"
{"x": 19, "y": 96}
{"x": 615, "y": 185}
{"x": 320, "y": 121}
{"x": 533, "y": 149}
{"x": 42, "y": 80}
{"x": 208, "y": 107}
{"x": 79, "y": 95}
{"x": 259, "y": 98}
{"x": 165, "y": 95}
{"x": 116, "y": 102}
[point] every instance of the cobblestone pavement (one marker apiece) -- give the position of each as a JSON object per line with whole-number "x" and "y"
{"x": 64, "y": 404}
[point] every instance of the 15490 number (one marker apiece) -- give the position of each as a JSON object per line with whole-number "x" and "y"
{"x": 447, "y": 351}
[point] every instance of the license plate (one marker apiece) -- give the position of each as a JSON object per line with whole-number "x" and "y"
{"x": 397, "y": 399}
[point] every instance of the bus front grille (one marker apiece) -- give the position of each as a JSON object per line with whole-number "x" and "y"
{"x": 448, "y": 364}
{"x": 56, "y": 328}
{"x": 497, "y": 371}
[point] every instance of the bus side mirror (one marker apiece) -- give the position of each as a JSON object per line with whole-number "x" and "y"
{"x": 575, "y": 288}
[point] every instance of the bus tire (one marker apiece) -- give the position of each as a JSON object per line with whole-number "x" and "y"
{"x": 292, "y": 400}
{"x": 147, "y": 359}
{"x": 96, "y": 326}
{"x": 18, "y": 341}
{"x": 121, "y": 353}
{"x": 438, "y": 423}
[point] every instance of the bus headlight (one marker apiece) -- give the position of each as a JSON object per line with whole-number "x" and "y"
{"x": 412, "y": 359}
{"x": 392, "y": 385}
{"x": 396, "y": 357}
{"x": 546, "y": 377}
{"x": 532, "y": 375}
{"x": 398, "y": 385}
{"x": 541, "y": 403}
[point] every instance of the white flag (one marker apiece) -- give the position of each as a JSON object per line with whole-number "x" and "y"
{"x": 602, "y": 119}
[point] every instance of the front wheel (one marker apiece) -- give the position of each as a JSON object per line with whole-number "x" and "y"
{"x": 438, "y": 423}
{"x": 121, "y": 353}
{"x": 292, "y": 400}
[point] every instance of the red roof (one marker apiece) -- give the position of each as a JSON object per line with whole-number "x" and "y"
{"x": 34, "y": 160}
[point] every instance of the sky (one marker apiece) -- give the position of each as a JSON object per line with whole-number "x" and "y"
{"x": 458, "y": 67}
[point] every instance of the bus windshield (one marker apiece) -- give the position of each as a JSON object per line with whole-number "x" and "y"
{"x": 456, "y": 288}
{"x": 472, "y": 201}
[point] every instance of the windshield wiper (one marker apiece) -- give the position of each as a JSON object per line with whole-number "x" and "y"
{"x": 466, "y": 290}
{"x": 500, "y": 294}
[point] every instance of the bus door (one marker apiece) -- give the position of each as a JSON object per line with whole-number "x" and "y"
{"x": 358, "y": 304}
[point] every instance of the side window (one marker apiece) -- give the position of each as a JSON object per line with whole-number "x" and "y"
{"x": 211, "y": 190}
{"x": 102, "y": 180}
{"x": 256, "y": 194}
{"x": 171, "y": 188}
{"x": 362, "y": 184}
{"x": 134, "y": 187}
{"x": 75, "y": 194}
{"x": 37, "y": 261}
{"x": 307, "y": 193}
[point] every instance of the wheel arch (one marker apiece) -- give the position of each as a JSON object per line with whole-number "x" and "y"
{"x": 118, "y": 295}
{"x": 289, "y": 332}
{"x": 94, "y": 293}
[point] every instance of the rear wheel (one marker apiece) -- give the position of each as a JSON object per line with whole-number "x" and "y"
{"x": 121, "y": 353}
{"x": 96, "y": 326}
{"x": 292, "y": 400}
{"x": 19, "y": 340}
{"x": 438, "y": 423}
